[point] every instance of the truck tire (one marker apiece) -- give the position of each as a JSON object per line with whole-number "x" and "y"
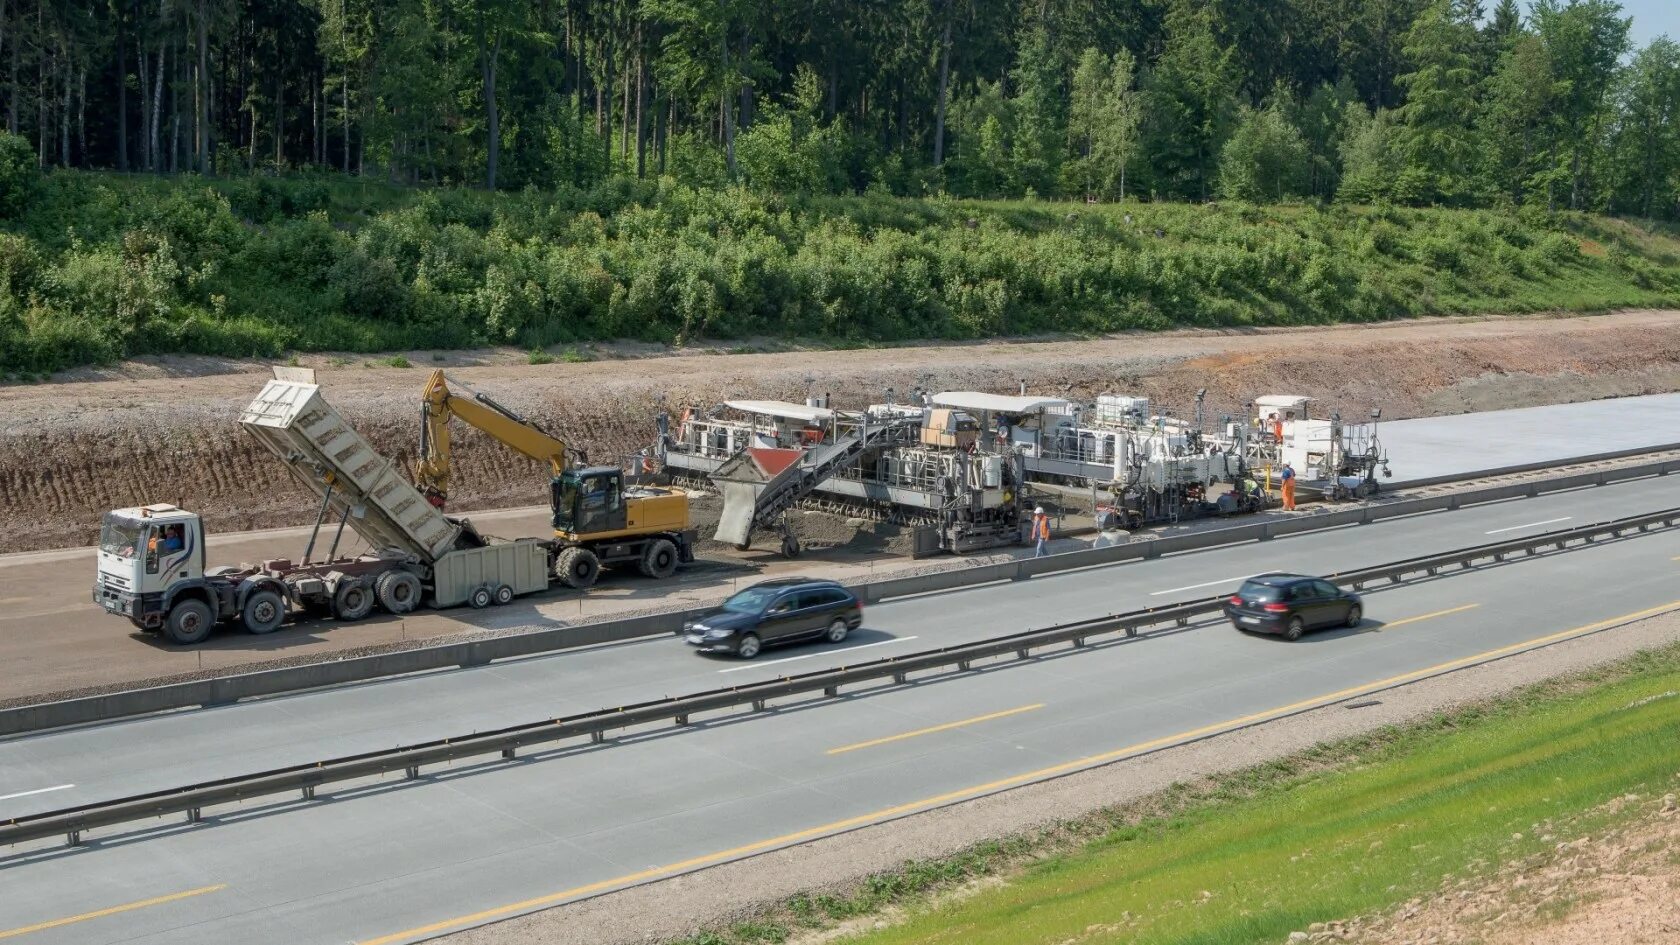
{"x": 189, "y": 622}
{"x": 264, "y": 612}
{"x": 659, "y": 558}
{"x": 577, "y": 567}
{"x": 503, "y": 595}
{"x": 398, "y": 591}
{"x": 480, "y": 598}
{"x": 352, "y": 600}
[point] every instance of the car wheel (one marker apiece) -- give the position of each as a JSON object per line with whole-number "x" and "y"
{"x": 1295, "y": 629}
{"x": 504, "y": 595}
{"x": 837, "y": 630}
{"x": 263, "y": 612}
{"x": 189, "y": 622}
{"x": 748, "y": 647}
{"x": 1355, "y": 615}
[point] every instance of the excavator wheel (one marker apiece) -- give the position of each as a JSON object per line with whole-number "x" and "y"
{"x": 577, "y": 567}
{"x": 659, "y": 558}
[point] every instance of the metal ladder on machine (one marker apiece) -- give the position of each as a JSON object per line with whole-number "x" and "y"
{"x": 782, "y": 491}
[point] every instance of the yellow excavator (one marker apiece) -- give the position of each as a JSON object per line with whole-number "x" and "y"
{"x": 598, "y": 521}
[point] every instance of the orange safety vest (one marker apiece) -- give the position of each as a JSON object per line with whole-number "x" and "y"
{"x": 1041, "y": 528}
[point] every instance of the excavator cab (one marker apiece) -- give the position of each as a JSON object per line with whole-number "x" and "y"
{"x": 589, "y": 501}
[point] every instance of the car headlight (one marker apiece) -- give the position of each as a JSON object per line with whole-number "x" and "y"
{"x": 716, "y": 634}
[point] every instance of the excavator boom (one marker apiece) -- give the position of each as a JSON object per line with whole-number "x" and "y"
{"x": 438, "y": 404}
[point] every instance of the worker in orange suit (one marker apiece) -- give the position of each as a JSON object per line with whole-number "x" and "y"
{"x": 1040, "y": 532}
{"x": 1288, "y": 487}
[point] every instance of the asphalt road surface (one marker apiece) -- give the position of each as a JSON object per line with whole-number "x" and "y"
{"x": 397, "y": 861}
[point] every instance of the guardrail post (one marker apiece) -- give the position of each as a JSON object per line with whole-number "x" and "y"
{"x": 309, "y": 792}
{"x": 73, "y": 838}
{"x": 597, "y": 737}
{"x": 898, "y": 678}
{"x": 831, "y": 691}
{"x": 962, "y": 666}
{"x": 1079, "y": 643}
{"x": 1022, "y": 653}
{"x": 758, "y": 705}
{"x": 413, "y": 772}
{"x": 1131, "y": 629}
{"x": 194, "y": 816}
{"x": 508, "y": 754}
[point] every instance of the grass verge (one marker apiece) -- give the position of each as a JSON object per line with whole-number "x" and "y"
{"x": 1341, "y": 830}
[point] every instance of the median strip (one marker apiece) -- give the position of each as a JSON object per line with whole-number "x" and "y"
{"x": 935, "y": 728}
{"x": 113, "y": 910}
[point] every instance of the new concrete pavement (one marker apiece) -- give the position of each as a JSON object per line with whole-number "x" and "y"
{"x": 397, "y": 861}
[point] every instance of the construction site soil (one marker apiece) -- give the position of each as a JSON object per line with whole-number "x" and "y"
{"x": 166, "y": 429}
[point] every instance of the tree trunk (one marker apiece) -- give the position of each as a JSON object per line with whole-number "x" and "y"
{"x": 723, "y": 109}
{"x": 279, "y": 114}
{"x": 624, "y": 123}
{"x": 203, "y": 91}
{"x": 746, "y": 83}
{"x": 81, "y": 115}
{"x": 604, "y": 109}
{"x": 122, "y": 96}
{"x": 64, "y": 112}
{"x": 314, "y": 122}
{"x": 487, "y": 56}
{"x": 641, "y": 114}
{"x": 346, "y": 107}
{"x": 944, "y": 85}
{"x": 12, "y": 83}
{"x": 157, "y": 107}
{"x": 662, "y": 119}
{"x": 40, "y": 90}
{"x": 175, "y": 118}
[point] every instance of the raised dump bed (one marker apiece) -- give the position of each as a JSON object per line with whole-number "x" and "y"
{"x": 296, "y": 423}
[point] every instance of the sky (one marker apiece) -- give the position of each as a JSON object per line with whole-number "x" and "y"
{"x": 1652, "y": 18}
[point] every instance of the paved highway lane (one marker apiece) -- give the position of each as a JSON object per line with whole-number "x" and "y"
{"x": 165, "y": 751}
{"x": 393, "y": 862}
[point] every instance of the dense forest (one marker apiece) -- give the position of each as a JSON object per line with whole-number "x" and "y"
{"x": 1412, "y": 101}
{"x": 252, "y": 177}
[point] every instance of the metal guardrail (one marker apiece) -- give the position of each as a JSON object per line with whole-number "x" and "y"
{"x": 223, "y": 690}
{"x": 506, "y": 742}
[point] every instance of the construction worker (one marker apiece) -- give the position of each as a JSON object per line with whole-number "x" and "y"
{"x": 1040, "y": 532}
{"x": 1288, "y": 487}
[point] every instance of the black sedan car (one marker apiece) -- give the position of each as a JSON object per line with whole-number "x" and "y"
{"x": 787, "y": 610}
{"x": 1291, "y": 604}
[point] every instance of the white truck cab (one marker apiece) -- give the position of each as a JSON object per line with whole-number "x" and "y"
{"x": 146, "y": 555}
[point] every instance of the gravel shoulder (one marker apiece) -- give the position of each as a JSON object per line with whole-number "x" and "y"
{"x": 671, "y": 909}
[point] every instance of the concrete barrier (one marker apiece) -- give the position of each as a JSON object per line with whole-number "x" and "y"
{"x": 229, "y": 689}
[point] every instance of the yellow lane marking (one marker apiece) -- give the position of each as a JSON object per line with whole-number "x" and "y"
{"x": 935, "y": 728}
{"x": 114, "y": 910}
{"x": 1421, "y": 617}
{"x": 989, "y": 787}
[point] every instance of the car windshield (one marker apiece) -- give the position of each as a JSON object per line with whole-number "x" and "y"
{"x": 753, "y": 600}
{"x": 121, "y": 536}
{"x": 1254, "y": 590}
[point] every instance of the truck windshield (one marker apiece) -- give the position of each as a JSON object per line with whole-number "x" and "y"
{"x": 121, "y": 536}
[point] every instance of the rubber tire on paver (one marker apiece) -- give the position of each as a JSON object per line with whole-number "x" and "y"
{"x": 1295, "y": 629}
{"x": 790, "y": 547}
{"x": 837, "y": 631}
{"x": 398, "y": 591}
{"x": 264, "y": 612}
{"x": 480, "y": 598}
{"x": 577, "y": 567}
{"x": 748, "y": 647}
{"x": 352, "y": 601}
{"x": 1355, "y": 615}
{"x": 659, "y": 558}
{"x": 189, "y": 622}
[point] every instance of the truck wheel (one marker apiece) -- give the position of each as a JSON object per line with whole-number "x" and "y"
{"x": 479, "y": 599}
{"x": 504, "y": 595}
{"x": 659, "y": 558}
{"x": 577, "y": 567}
{"x": 189, "y": 622}
{"x": 398, "y": 591}
{"x": 352, "y": 601}
{"x": 263, "y": 612}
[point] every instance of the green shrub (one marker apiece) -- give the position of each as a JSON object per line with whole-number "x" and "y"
{"x": 538, "y": 356}
{"x": 19, "y": 174}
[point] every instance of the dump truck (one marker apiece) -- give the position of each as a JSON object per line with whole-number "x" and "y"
{"x": 152, "y": 566}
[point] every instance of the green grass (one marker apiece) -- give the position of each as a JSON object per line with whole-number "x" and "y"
{"x": 1341, "y": 830}
{"x": 102, "y": 266}
{"x": 1342, "y": 844}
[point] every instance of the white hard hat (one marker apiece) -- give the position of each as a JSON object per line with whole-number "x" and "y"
{"x": 1039, "y": 510}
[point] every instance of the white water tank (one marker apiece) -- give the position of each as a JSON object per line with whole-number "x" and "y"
{"x": 991, "y": 472}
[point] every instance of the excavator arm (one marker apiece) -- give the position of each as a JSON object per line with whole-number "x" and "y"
{"x": 438, "y": 404}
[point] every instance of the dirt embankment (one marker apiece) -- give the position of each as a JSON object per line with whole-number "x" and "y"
{"x": 167, "y": 430}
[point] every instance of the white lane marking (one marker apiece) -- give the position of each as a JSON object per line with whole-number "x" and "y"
{"x": 1550, "y": 521}
{"x": 1191, "y": 587}
{"x": 45, "y": 790}
{"x": 861, "y": 646}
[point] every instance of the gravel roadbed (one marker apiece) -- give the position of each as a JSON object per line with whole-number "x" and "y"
{"x": 673, "y": 908}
